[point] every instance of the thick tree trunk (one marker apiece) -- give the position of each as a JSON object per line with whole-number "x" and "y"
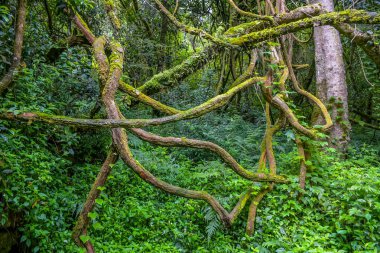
{"x": 331, "y": 78}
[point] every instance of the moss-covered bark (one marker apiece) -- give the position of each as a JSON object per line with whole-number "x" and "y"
{"x": 175, "y": 75}
{"x": 223, "y": 154}
{"x": 347, "y": 16}
{"x": 250, "y": 14}
{"x": 364, "y": 40}
{"x": 191, "y": 30}
{"x": 110, "y": 7}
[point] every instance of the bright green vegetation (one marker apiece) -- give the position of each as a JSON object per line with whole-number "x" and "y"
{"x": 220, "y": 80}
{"x": 45, "y": 182}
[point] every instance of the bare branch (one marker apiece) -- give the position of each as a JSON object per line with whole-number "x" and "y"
{"x": 176, "y": 7}
{"x": 303, "y": 167}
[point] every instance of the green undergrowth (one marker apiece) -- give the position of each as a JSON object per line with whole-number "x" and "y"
{"x": 339, "y": 211}
{"x": 46, "y": 172}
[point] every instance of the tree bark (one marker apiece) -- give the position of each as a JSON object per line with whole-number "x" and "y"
{"x": 331, "y": 79}
{"x": 7, "y": 79}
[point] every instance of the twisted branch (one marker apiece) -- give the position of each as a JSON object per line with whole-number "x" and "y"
{"x": 194, "y": 112}
{"x": 223, "y": 154}
{"x": 347, "y": 16}
{"x": 191, "y": 30}
{"x": 120, "y": 139}
{"x": 297, "y": 88}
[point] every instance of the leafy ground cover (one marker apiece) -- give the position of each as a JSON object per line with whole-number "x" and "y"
{"x": 44, "y": 182}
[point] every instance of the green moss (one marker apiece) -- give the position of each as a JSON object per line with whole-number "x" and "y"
{"x": 240, "y": 29}
{"x": 84, "y": 24}
{"x": 174, "y": 75}
{"x": 351, "y": 16}
{"x": 116, "y": 57}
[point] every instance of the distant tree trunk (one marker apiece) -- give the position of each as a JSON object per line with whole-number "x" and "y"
{"x": 49, "y": 17}
{"x": 162, "y": 48}
{"x": 7, "y": 79}
{"x": 331, "y": 79}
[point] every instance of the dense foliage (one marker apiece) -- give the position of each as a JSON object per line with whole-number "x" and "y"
{"x": 46, "y": 171}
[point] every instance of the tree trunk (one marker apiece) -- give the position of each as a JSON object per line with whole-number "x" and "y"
{"x": 162, "y": 48}
{"x": 331, "y": 79}
{"x": 7, "y": 79}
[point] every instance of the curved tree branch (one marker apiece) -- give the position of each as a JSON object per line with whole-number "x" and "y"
{"x": 226, "y": 157}
{"x": 120, "y": 140}
{"x": 83, "y": 219}
{"x": 311, "y": 97}
{"x": 279, "y": 103}
{"x": 250, "y": 14}
{"x": 194, "y": 112}
{"x": 191, "y": 30}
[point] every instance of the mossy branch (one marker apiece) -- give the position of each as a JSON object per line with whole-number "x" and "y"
{"x": 364, "y": 40}
{"x": 223, "y": 154}
{"x": 191, "y": 30}
{"x": 294, "y": 15}
{"x": 135, "y": 93}
{"x": 297, "y": 88}
{"x": 82, "y": 26}
{"x": 111, "y": 11}
{"x": 194, "y": 112}
{"x": 347, "y": 16}
{"x": 250, "y": 14}
{"x": 173, "y": 76}
{"x": 101, "y": 59}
